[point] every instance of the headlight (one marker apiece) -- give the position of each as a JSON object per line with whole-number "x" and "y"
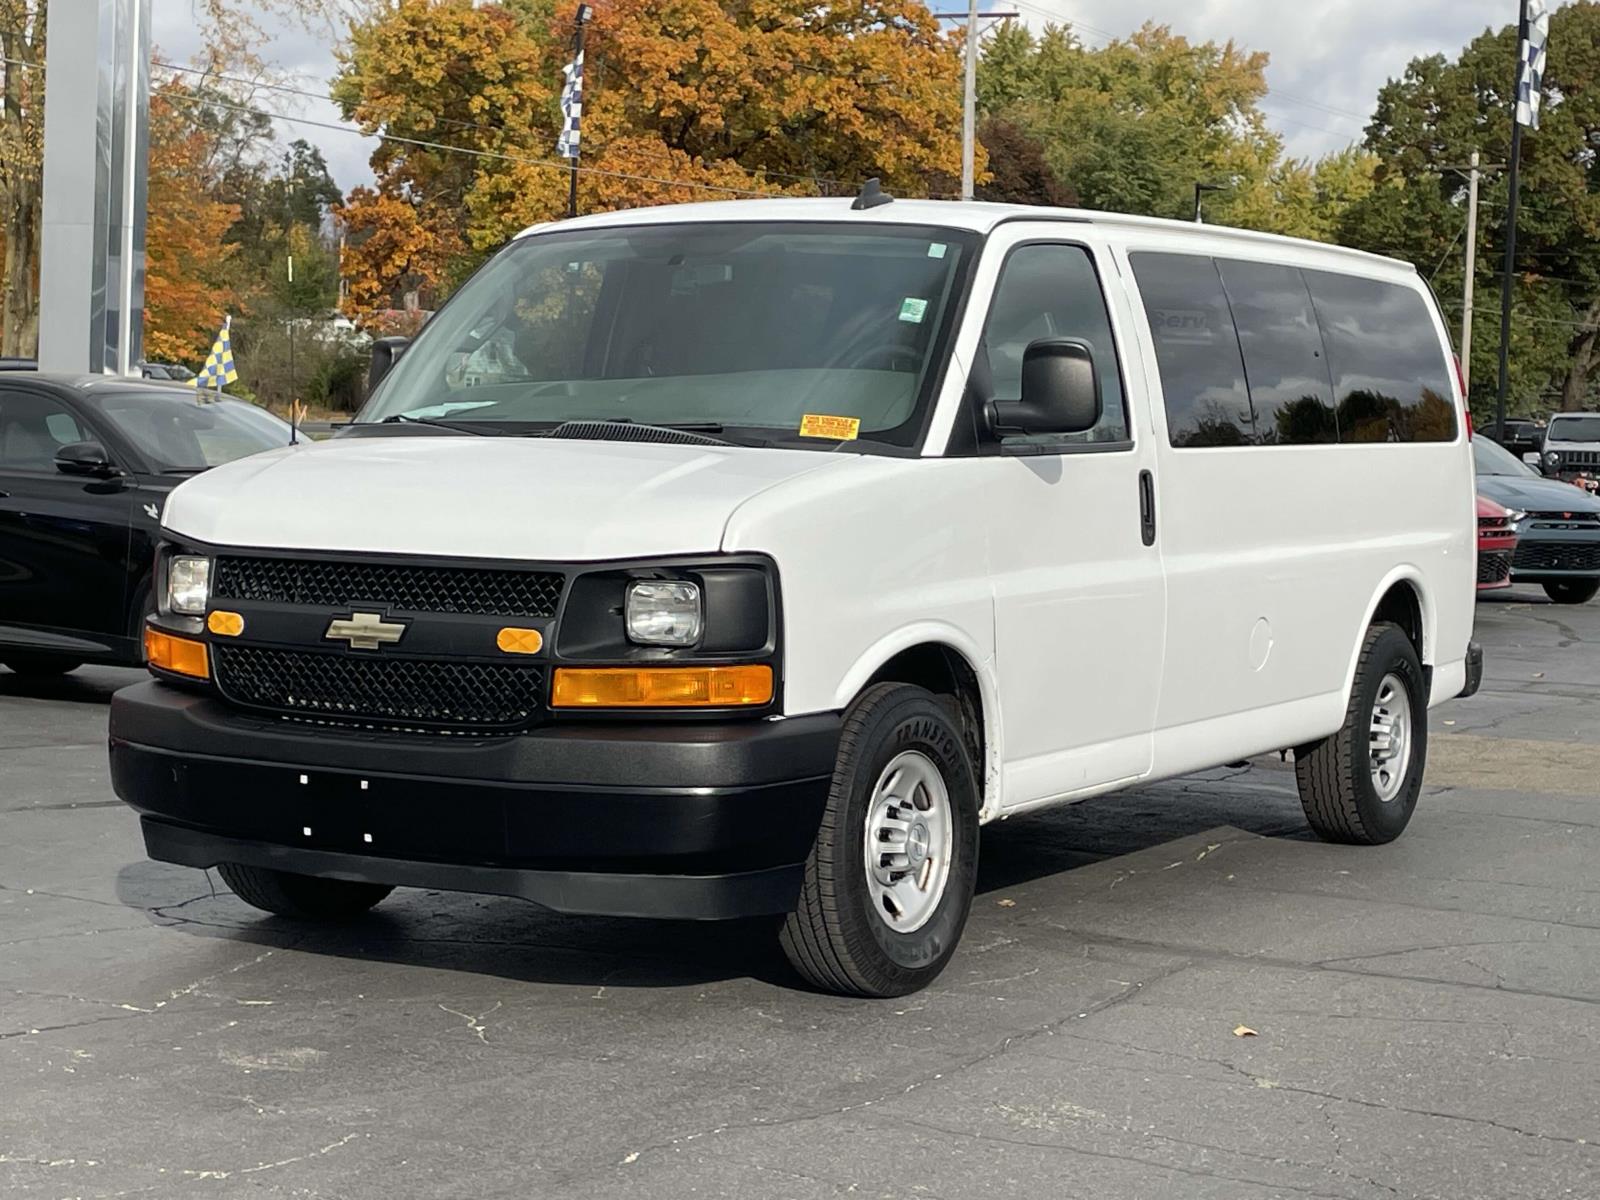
{"x": 188, "y": 584}
{"x": 664, "y": 613}
{"x": 1552, "y": 459}
{"x": 1515, "y": 515}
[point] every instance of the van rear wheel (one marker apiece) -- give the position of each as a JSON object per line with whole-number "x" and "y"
{"x": 889, "y": 881}
{"x": 303, "y": 897}
{"x": 1360, "y": 785}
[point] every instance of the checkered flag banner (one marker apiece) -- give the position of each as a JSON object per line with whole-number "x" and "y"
{"x": 571, "y": 107}
{"x": 219, "y": 363}
{"x": 1530, "y": 79}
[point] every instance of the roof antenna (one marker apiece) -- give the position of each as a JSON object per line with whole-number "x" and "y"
{"x": 871, "y": 196}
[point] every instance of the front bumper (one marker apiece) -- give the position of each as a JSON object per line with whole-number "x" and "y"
{"x": 688, "y": 820}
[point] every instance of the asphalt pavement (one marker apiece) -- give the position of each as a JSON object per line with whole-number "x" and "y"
{"x": 1426, "y": 1015}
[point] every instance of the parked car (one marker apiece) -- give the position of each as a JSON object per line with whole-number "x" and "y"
{"x": 1522, "y": 437}
{"x": 1497, "y": 542}
{"x": 166, "y": 372}
{"x": 740, "y": 559}
{"x": 85, "y": 466}
{"x": 1571, "y": 449}
{"x": 1558, "y": 544}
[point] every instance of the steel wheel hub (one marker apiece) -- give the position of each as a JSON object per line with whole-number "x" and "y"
{"x": 910, "y": 836}
{"x": 1390, "y": 737}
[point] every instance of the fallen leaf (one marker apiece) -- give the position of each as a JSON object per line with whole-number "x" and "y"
{"x": 1244, "y": 1031}
{"x": 1006, "y": 903}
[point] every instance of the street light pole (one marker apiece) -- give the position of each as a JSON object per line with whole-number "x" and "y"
{"x": 969, "y": 106}
{"x": 1472, "y": 267}
{"x": 1511, "y": 236}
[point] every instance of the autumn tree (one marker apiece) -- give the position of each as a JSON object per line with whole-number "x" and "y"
{"x": 189, "y": 283}
{"x": 684, "y": 100}
{"x": 21, "y": 170}
{"x": 1426, "y": 125}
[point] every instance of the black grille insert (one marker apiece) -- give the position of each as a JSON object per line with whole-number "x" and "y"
{"x": 458, "y": 695}
{"x": 1494, "y": 566}
{"x": 1558, "y": 556}
{"x": 403, "y": 587}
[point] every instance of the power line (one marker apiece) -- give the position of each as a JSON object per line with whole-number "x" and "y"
{"x": 844, "y": 185}
{"x": 543, "y": 163}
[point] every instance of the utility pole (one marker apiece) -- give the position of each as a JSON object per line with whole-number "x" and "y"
{"x": 969, "y": 89}
{"x": 969, "y": 104}
{"x": 1472, "y": 266}
{"x": 1200, "y": 189}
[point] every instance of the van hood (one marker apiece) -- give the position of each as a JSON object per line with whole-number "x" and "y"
{"x": 481, "y": 497}
{"x": 1537, "y": 495}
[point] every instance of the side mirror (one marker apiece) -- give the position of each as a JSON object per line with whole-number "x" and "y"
{"x": 1060, "y": 391}
{"x": 85, "y": 458}
{"x": 386, "y": 352}
{"x": 1533, "y": 460}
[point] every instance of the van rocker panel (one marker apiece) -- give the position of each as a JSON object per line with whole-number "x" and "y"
{"x": 692, "y": 820}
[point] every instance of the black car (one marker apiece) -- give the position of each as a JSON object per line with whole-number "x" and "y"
{"x": 86, "y": 463}
{"x": 1558, "y": 543}
{"x": 1521, "y": 436}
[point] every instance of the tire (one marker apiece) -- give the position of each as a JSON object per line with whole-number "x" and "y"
{"x": 1338, "y": 787}
{"x": 845, "y": 936}
{"x": 303, "y": 897}
{"x": 41, "y": 666}
{"x": 1573, "y": 591}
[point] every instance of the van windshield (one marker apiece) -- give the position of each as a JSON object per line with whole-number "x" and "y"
{"x": 753, "y": 332}
{"x": 1574, "y": 429}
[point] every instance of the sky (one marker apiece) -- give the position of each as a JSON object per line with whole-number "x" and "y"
{"x": 1328, "y": 57}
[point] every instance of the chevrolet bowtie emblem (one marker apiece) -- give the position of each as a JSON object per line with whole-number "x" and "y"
{"x": 365, "y": 631}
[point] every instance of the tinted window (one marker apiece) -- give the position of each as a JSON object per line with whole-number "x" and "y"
{"x": 1291, "y": 397}
{"x": 1197, "y": 350}
{"x": 1391, "y": 381}
{"x": 1053, "y": 292}
{"x": 183, "y": 432}
{"x": 32, "y": 429}
{"x": 1570, "y": 429}
{"x": 1490, "y": 459}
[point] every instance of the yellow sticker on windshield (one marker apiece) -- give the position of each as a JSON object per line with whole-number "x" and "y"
{"x": 840, "y": 429}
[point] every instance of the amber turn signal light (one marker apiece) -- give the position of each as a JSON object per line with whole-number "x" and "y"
{"x": 176, "y": 654}
{"x": 662, "y": 687}
{"x": 225, "y": 624}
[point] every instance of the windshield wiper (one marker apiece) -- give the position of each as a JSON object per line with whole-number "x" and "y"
{"x": 184, "y": 470}
{"x": 625, "y": 429}
{"x": 482, "y": 429}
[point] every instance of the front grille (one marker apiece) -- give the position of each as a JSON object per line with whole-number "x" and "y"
{"x": 391, "y": 691}
{"x": 471, "y": 591}
{"x": 1558, "y": 556}
{"x": 1564, "y": 520}
{"x": 1579, "y": 458}
{"x": 1494, "y": 566}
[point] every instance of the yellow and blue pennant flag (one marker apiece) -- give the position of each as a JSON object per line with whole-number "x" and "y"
{"x": 219, "y": 363}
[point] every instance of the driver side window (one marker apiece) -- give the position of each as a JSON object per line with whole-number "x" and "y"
{"x": 1051, "y": 291}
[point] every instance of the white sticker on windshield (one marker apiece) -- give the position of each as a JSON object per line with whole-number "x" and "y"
{"x": 912, "y": 309}
{"x": 936, "y": 249}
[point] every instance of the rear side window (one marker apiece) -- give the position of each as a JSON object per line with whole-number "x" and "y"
{"x": 1197, "y": 350}
{"x": 1291, "y": 397}
{"x": 1391, "y": 381}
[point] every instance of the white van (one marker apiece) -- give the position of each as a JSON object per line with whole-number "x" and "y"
{"x": 746, "y": 558}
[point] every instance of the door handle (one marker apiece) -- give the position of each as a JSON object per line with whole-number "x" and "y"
{"x": 1147, "y": 507}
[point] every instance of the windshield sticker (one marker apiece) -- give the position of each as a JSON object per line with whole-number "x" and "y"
{"x": 936, "y": 249}
{"x": 840, "y": 429}
{"x": 912, "y": 309}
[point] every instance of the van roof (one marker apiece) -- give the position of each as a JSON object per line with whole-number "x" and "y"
{"x": 979, "y": 216}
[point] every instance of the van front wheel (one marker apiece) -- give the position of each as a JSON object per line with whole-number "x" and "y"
{"x": 1360, "y": 785}
{"x": 889, "y": 881}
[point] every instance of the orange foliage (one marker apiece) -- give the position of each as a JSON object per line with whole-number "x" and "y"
{"x": 186, "y": 289}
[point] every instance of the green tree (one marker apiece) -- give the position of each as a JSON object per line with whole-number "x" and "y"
{"x": 1426, "y": 125}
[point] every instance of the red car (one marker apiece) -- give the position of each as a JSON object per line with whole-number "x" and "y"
{"x": 1497, "y": 543}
